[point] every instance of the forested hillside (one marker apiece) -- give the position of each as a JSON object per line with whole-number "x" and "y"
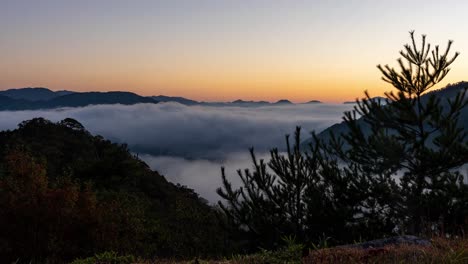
{"x": 66, "y": 193}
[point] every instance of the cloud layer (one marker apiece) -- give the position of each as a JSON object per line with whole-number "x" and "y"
{"x": 204, "y": 176}
{"x": 173, "y": 129}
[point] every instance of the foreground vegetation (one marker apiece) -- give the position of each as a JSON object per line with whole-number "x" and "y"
{"x": 441, "y": 251}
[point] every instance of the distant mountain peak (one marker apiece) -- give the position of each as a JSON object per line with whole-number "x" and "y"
{"x": 180, "y": 100}
{"x": 240, "y": 101}
{"x": 30, "y": 99}
{"x": 29, "y": 89}
{"x": 32, "y": 93}
{"x": 94, "y": 98}
{"x": 314, "y": 102}
{"x": 283, "y": 101}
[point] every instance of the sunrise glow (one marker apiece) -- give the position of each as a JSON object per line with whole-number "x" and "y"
{"x": 220, "y": 50}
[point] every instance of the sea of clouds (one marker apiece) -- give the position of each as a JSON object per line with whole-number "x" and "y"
{"x": 189, "y": 144}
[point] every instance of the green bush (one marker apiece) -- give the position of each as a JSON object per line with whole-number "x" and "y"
{"x": 108, "y": 257}
{"x": 291, "y": 253}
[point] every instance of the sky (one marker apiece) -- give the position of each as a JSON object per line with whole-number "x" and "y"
{"x": 220, "y": 50}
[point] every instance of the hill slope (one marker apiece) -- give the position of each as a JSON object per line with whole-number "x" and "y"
{"x": 68, "y": 99}
{"x": 135, "y": 209}
{"x": 180, "y": 100}
{"x": 93, "y": 98}
{"x": 33, "y": 94}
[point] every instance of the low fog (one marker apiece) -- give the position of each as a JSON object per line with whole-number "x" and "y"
{"x": 204, "y": 176}
{"x": 172, "y": 129}
{"x": 189, "y": 144}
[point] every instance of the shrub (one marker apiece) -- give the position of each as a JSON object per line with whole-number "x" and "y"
{"x": 291, "y": 253}
{"x": 109, "y": 257}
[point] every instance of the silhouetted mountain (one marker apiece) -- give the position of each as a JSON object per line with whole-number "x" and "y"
{"x": 43, "y": 98}
{"x": 8, "y": 103}
{"x": 74, "y": 100}
{"x": 180, "y": 100}
{"x": 314, "y": 102}
{"x": 449, "y": 92}
{"x": 33, "y": 94}
{"x": 240, "y": 102}
{"x": 93, "y": 98}
{"x": 283, "y": 102}
{"x": 63, "y": 92}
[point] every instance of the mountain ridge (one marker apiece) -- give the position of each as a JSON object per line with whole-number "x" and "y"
{"x": 33, "y": 93}
{"x": 30, "y": 98}
{"x": 16, "y": 101}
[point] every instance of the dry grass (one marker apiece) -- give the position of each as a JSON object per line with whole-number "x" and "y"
{"x": 442, "y": 251}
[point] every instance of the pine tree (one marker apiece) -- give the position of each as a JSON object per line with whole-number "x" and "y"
{"x": 413, "y": 144}
{"x": 394, "y": 170}
{"x": 304, "y": 195}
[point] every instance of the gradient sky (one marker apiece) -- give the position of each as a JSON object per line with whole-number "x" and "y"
{"x": 217, "y": 50}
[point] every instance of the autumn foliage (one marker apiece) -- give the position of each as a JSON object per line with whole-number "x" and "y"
{"x": 65, "y": 194}
{"x": 40, "y": 218}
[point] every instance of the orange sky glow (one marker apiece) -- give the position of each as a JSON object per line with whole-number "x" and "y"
{"x": 220, "y": 50}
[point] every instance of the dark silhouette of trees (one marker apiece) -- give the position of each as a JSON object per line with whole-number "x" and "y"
{"x": 305, "y": 195}
{"x": 413, "y": 145}
{"x": 394, "y": 171}
{"x": 39, "y": 219}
